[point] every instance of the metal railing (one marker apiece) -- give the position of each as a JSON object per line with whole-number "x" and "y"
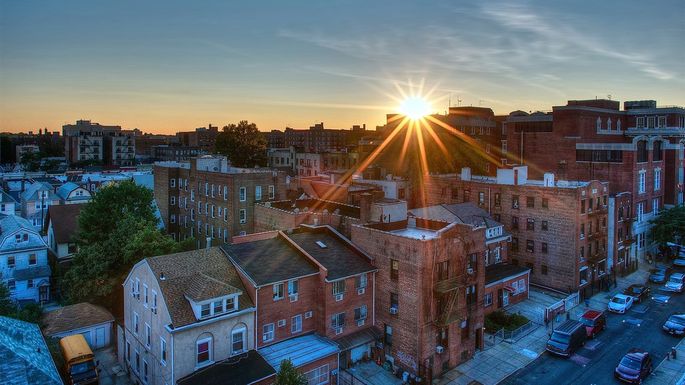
{"x": 517, "y": 334}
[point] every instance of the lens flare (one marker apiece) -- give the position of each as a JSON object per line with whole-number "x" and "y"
{"x": 415, "y": 107}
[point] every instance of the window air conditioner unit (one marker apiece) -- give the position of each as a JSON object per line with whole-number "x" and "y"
{"x": 469, "y": 270}
{"x": 338, "y": 297}
{"x": 293, "y": 297}
{"x": 393, "y": 310}
{"x": 338, "y": 330}
{"x": 439, "y": 349}
{"x": 361, "y": 291}
{"x": 360, "y": 322}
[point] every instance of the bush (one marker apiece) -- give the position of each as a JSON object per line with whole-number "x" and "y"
{"x": 500, "y": 320}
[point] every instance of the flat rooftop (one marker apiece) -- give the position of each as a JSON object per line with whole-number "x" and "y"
{"x": 416, "y": 233}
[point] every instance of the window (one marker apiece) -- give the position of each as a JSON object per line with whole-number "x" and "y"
{"x": 657, "y": 154}
{"x": 137, "y": 367}
{"x": 530, "y": 202}
{"x": 514, "y": 201}
{"x": 530, "y": 224}
{"x": 218, "y": 307}
{"x": 278, "y": 291}
{"x": 238, "y": 341}
{"x": 650, "y": 122}
{"x": 172, "y": 218}
{"x": 338, "y": 320}
{"x": 641, "y": 151}
{"x": 582, "y": 230}
{"x": 640, "y": 122}
{"x": 203, "y": 351}
{"x": 258, "y": 193}
{"x": 488, "y": 299}
{"x": 173, "y": 182}
{"x": 360, "y": 313}
{"x": 361, "y": 281}
{"x": 318, "y": 376}
{"x": 192, "y": 195}
{"x": 641, "y": 187}
{"x": 268, "y": 332}
{"x": 145, "y": 296}
{"x": 11, "y": 263}
{"x": 498, "y": 199}
{"x": 530, "y": 246}
{"x": 225, "y": 214}
{"x": 243, "y": 216}
{"x": 544, "y": 247}
{"x": 640, "y": 211}
{"x": 394, "y": 301}
{"x": 544, "y": 225}
{"x": 296, "y": 324}
{"x": 545, "y": 203}
{"x": 32, "y": 259}
{"x": 272, "y": 192}
{"x": 481, "y": 198}
{"x": 657, "y": 179}
{"x": 599, "y": 123}
{"x": 148, "y": 335}
{"x": 514, "y": 223}
{"x": 387, "y": 335}
{"x": 394, "y": 269}
{"x": 243, "y": 194}
{"x": 162, "y": 351}
{"x": 128, "y": 351}
{"x": 29, "y": 283}
{"x": 135, "y": 323}
{"x": 205, "y": 310}
{"x": 339, "y": 287}
{"x": 172, "y": 200}
{"x": 655, "y": 206}
{"x": 514, "y": 244}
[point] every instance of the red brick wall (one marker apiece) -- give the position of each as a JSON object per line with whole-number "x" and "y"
{"x": 351, "y": 300}
{"x": 513, "y": 299}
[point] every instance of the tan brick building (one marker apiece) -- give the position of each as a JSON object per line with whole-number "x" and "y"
{"x": 211, "y": 201}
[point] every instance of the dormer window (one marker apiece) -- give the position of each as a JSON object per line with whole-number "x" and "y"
{"x": 205, "y": 310}
{"x": 215, "y": 307}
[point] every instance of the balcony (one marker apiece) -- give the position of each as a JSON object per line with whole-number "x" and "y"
{"x": 597, "y": 256}
{"x": 597, "y": 210}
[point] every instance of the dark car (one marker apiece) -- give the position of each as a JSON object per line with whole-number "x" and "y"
{"x": 660, "y": 274}
{"x": 638, "y": 292}
{"x": 567, "y": 338}
{"x": 675, "y": 325}
{"x": 634, "y": 366}
{"x": 594, "y": 321}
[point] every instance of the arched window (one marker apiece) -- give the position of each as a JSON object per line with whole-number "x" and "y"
{"x": 609, "y": 124}
{"x": 657, "y": 153}
{"x": 204, "y": 349}
{"x": 239, "y": 339}
{"x": 642, "y": 151}
{"x": 618, "y": 125}
{"x": 599, "y": 123}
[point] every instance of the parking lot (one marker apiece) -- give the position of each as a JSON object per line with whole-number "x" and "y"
{"x": 594, "y": 363}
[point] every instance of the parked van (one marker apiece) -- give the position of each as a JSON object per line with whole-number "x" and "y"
{"x": 594, "y": 321}
{"x": 79, "y": 361}
{"x": 567, "y": 338}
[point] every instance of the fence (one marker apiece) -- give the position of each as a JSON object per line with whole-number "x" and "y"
{"x": 493, "y": 339}
{"x": 515, "y": 335}
{"x": 347, "y": 378}
{"x": 572, "y": 301}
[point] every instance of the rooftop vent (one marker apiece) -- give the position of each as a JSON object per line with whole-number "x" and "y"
{"x": 321, "y": 244}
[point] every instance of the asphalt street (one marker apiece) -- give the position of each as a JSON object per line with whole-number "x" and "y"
{"x": 594, "y": 363}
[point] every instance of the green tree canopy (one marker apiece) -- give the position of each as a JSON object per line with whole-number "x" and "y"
{"x": 243, "y": 144}
{"x": 289, "y": 375}
{"x": 669, "y": 225}
{"x": 117, "y": 229}
{"x": 30, "y": 161}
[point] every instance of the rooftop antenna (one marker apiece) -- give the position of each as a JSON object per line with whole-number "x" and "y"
{"x": 458, "y": 101}
{"x": 609, "y": 96}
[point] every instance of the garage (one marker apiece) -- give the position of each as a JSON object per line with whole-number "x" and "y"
{"x": 91, "y": 321}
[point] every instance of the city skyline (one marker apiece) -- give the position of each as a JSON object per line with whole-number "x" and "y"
{"x": 164, "y": 67}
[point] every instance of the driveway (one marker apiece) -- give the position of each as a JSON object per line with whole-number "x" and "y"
{"x": 111, "y": 372}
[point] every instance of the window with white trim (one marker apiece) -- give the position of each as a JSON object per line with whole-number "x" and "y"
{"x": 258, "y": 193}
{"x": 243, "y": 216}
{"x": 642, "y": 177}
{"x": 268, "y": 332}
{"x": 162, "y": 351}
{"x": 272, "y": 192}
{"x": 657, "y": 179}
{"x": 173, "y": 182}
{"x": 318, "y": 376}
{"x": 296, "y": 324}
{"x": 148, "y": 335}
{"x": 243, "y": 194}
{"x": 238, "y": 341}
{"x": 278, "y": 291}
{"x": 488, "y": 299}
{"x": 203, "y": 351}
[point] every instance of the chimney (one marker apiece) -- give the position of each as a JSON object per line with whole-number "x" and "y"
{"x": 466, "y": 173}
{"x": 549, "y": 179}
{"x": 365, "y": 207}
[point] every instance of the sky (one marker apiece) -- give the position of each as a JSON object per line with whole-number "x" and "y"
{"x": 167, "y": 66}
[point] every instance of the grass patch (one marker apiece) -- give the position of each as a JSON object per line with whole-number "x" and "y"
{"x": 500, "y": 320}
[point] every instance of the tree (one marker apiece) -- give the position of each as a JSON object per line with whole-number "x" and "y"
{"x": 669, "y": 226}
{"x": 7, "y": 307}
{"x": 117, "y": 229}
{"x": 289, "y": 375}
{"x": 243, "y": 144}
{"x": 30, "y": 312}
{"x": 30, "y": 161}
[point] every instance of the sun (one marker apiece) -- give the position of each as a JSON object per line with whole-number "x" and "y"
{"x": 415, "y": 107}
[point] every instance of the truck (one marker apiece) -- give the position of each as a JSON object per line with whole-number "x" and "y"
{"x": 80, "y": 367}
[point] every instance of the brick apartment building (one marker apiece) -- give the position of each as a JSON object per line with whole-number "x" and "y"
{"x": 505, "y": 283}
{"x": 86, "y": 141}
{"x": 203, "y": 138}
{"x": 638, "y": 150}
{"x": 309, "y": 284}
{"x": 429, "y": 291}
{"x": 211, "y": 201}
{"x": 559, "y": 229}
{"x": 317, "y": 138}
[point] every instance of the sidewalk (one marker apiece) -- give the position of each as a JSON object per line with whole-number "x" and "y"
{"x": 491, "y": 366}
{"x": 670, "y": 372}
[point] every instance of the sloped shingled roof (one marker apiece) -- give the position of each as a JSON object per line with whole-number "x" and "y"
{"x": 181, "y": 273}
{"x": 24, "y": 356}
{"x": 64, "y": 220}
{"x": 77, "y": 316}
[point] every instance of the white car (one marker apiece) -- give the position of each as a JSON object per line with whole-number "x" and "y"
{"x": 675, "y": 282}
{"x": 620, "y": 303}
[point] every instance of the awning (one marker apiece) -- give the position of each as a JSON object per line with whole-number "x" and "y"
{"x": 510, "y": 289}
{"x": 359, "y": 338}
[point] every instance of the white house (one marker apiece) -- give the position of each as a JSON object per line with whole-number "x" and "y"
{"x": 35, "y": 201}
{"x": 8, "y": 205}
{"x": 184, "y": 312}
{"x": 70, "y": 193}
{"x": 23, "y": 260}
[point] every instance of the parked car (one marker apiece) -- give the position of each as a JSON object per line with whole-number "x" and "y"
{"x": 675, "y": 283}
{"x": 620, "y": 303}
{"x": 634, "y": 366}
{"x": 660, "y": 274}
{"x": 675, "y": 325}
{"x": 594, "y": 321}
{"x": 638, "y": 292}
{"x": 567, "y": 338}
